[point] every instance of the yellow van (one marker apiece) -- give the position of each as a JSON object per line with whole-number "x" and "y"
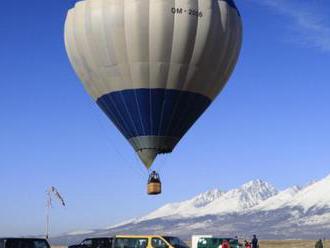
{"x": 147, "y": 241}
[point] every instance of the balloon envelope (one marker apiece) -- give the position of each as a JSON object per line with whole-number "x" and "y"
{"x": 153, "y": 66}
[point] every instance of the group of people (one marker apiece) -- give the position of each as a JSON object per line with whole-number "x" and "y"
{"x": 254, "y": 243}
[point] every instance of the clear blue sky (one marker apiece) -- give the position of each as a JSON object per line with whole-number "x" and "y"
{"x": 272, "y": 121}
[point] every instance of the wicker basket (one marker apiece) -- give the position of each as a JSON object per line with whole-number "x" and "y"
{"x": 154, "y": 188}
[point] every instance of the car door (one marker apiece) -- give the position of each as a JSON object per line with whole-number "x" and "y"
{"x": 87, "y": 243}
{"x": 158, "y": 243}
{"x": 101, "y": 243}
{"x": 110, "y": 242}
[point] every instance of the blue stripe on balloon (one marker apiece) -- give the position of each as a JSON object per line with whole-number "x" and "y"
{"x": 232, "y": 4}
{"x": 155, "y": 112}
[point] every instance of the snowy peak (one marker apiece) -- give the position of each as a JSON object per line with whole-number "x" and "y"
{"x": 241, "y": 199}
{"x": 205, "y": 198}
{"x": 259, "y": 185}
{"x": 253, "y": 192}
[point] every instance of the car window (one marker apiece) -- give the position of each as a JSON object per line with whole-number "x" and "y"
{"x": 233, "y": 242}
{"x": 110, "y": 242}
{"x": 26, "y": 243}
{"x": 101, "y": 243}
{"x": 87, "y": 242}
{"x": 131, "y": 243}
{"x": 2, "y": 244}
{"x": 158, "y": 243}
{"x": 40, "y": 244}
{"x": 175, "y": 242}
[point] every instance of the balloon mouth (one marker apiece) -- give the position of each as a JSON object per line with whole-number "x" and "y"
{"x": 147, "y": 156}
{"x": 148, "y": 147}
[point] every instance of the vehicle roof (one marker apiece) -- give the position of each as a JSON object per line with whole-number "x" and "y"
{"x": 139, "y": 236}
{"x": 217, "y": 238}
{"x": 11, "y": 238}
{"x": 100, "y": 238}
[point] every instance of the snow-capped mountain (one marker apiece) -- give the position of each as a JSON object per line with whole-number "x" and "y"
{"x": 217, "y": 202}
{"x": 255, "y": 207}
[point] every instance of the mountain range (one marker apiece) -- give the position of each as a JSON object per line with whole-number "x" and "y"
{"x": 255, "y": 207}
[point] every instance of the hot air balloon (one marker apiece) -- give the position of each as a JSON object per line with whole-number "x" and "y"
{"x": 153, "y": 66}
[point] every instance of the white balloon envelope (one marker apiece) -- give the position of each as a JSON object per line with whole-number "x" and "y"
{"x": 153, "y": 66}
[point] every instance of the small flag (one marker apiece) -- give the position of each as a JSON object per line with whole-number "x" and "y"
{"x": 57, "y": 194}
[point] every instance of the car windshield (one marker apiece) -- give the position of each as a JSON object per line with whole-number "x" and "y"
{"x": 215, "y": 242}
{"x": 233, "y": 241}
{"x": 26, "y": 243}
{"x": 175, "y": 242}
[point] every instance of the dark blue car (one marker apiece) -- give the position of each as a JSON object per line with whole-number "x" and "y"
{"x": 23, "y": 243}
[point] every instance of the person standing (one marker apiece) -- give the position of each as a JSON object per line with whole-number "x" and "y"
{"x": 247, "y": 244}
{"x": 319, "y": 244}
{"x": 255, "y": 242}
{"x": 225, "y": 244}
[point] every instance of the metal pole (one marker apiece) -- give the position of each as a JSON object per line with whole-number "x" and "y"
{"x": 50, "y": 191}
{"x": 47, "y": 214}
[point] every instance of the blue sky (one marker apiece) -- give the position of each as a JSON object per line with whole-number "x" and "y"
{"x": 271, "y": 122}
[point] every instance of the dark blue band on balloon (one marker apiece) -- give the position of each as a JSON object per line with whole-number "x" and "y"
{"x": 153, "y": 112}
{"x": 232, "y": 4}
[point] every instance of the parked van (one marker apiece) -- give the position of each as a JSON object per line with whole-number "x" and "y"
{"x": 23, "y": 242}
{"x": 148, "y": 241}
